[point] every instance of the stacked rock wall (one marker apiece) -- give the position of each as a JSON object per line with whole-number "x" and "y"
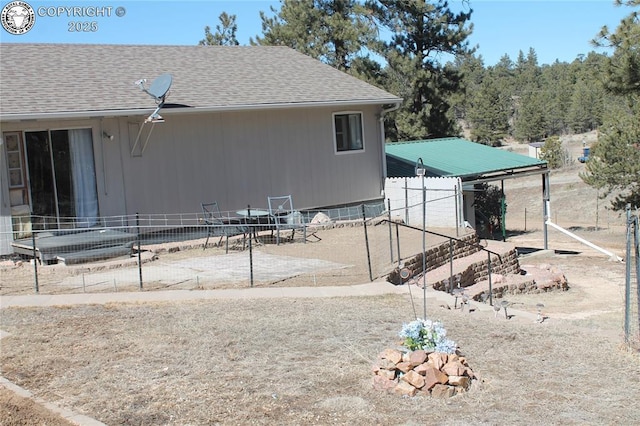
{"x": 422, "y": 373}
{"x": 438, "y": 256}
{"x": 478, "y": 271}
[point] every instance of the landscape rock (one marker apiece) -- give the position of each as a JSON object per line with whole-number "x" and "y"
{"x": 416, "y": 358}
{"x": 320, "y": 218}
{"x": 404, "y": 388}
{"x": 462, "y": 381}
{"x": 443, "y": 391}
{"x": 382, "y": 384}
{"x": 387, "y": 374}
{"x": 438, "y": 359}
{"x": 440, "y": 375}
{"x": 453, "y": 369}
{"x": 414, "y": 379}
{"x": 393, "y": 355}
{"x": 404, "y": 366}
{"x": 433, "y": 377}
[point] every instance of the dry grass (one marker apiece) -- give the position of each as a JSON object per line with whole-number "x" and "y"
{"x": 296, "y": 361}
{"x": 308, "y": 361}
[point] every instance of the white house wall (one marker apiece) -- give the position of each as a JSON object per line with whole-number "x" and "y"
{"x": 443, "y": 196}
{"x": 234, "y": 158}
{"x": 238, "y": 159}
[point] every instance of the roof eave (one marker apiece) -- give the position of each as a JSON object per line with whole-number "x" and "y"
{"x": 504, "y": 174}
{"x": 69, "y": 115}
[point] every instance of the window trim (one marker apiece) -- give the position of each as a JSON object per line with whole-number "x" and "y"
{"x": 335, "y": 139}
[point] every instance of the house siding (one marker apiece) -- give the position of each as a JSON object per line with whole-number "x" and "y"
{"x": 235, "y": 158}
{"x": 238, "y": 159}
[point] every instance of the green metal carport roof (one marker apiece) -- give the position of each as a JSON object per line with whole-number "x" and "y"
{"x": 461, "y": 158}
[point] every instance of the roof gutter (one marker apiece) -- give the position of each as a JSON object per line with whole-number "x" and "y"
{"x": 383, "y": 154}
{"x": 190, "y": 110}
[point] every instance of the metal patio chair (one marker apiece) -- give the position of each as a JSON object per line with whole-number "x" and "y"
{"x": 285, "y": 217}
{"x": 215, "y": 224}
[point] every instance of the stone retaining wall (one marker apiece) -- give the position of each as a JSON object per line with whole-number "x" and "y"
{"x": 437, "y": 256}
{"x": 478, "y": 271}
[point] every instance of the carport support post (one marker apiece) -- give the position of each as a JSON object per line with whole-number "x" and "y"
{"x": 503, "y": 212}
{"x": 545, "y": 208}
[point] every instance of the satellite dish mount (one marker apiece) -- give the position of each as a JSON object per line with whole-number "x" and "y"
{"x": 158, "y": 90}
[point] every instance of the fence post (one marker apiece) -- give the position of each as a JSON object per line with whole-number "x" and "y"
{"x": 250, "y": 247}
{"x": 627, "y": 279}
{"x": 390, "y": 230}
{"x": 139, "y": 250}
{"x": 455, "y": 196}
{"x": 398, "y": 243}
{"x": 490, "y": 285}
{"x": 450, "y": 265}
{"x": 366, "y": 240}
{"x": 637, "y": 249}
{"x": 35, "y": 257}
{"x": 406, "y": 201}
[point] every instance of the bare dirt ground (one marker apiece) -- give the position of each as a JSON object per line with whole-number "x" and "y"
{"x": 295, "y": 361}
{"x": 334, "y": 256}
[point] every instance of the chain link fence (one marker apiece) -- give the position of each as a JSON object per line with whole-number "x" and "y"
{"x": 148, "y": 252}
{"x": 338, "y": 246}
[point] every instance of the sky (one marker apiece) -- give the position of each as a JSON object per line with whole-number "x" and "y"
{"x": 557, "y": 30}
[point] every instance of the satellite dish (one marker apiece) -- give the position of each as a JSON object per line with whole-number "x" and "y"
{"x": 159, "y": 87}
{"x": 158, "y": 90}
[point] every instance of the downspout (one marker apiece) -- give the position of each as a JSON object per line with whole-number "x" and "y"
{"x": 383, "y": 160}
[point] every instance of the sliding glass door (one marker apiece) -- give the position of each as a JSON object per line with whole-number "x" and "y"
{"x": 62, "y": 179}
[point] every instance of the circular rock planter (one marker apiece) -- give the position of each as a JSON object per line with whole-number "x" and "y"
{"x": 419, "y": 372}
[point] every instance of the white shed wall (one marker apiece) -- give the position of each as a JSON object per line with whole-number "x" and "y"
{"x": 443, "y": 196}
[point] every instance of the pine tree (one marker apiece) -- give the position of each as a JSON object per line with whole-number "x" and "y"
{"x": 422, "y": 34}
{"x": 225, "y": 34}
{"x": 623, "y": 68}
{"x": 557, "y": 83}
{"x": 530, "y": 121}
{"x": 585, "y": 111}
{"x": 335, "y": 31}
{"x": 614, "y": 163}
{"x": 489, "y": 113}
{"x": 552, "y": 152}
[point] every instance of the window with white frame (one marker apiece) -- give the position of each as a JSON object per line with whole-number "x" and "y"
{"x": 348, "y": 131}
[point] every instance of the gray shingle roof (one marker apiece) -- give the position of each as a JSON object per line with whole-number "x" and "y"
{"x": 73, "y": 78}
